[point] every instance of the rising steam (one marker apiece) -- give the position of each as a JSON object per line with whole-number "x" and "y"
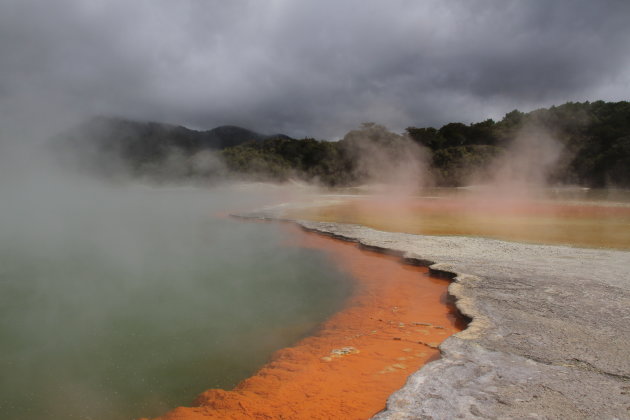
{"x": 393, "y": 161}
{"x": 525, "y": 168}
{"x": 111, "y": 288}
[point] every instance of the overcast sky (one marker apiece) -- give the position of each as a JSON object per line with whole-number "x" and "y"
{"x": 316, "y": 68}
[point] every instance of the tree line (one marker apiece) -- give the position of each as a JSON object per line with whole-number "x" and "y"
{"x": 594, "y": 138}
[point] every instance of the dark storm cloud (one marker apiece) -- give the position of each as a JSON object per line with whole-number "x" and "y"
{"x": 317, "y": 67}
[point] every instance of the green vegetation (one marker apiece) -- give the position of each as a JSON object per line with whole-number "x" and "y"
{"x": 594, "y": 138}
{"x": 325, "y": 162}
{"x": 595, "y": 141}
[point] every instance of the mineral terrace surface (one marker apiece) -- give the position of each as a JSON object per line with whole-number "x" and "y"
{"x": 550, "y": 330}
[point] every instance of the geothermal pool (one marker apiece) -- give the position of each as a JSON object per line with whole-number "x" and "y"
{"x": 575, "y": 217}
{"x": 122, "y": 303}
{"x": 391, "y": 325}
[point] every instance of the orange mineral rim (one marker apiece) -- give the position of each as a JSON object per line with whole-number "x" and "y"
{"x": 390, "y": 326}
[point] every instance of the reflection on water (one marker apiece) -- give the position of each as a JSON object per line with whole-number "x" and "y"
{"x": 577, "y": 217}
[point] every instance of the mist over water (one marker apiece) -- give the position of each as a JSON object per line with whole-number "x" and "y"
{"x": 125, "y": 300}
{"x": 125, "y": 292}
{"x": 523, "y": 171}
{"x": 514, "y": 196}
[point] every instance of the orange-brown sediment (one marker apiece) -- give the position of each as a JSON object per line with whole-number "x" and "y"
{"x": 527, "y": 221}
{"x": 391, "y": 325}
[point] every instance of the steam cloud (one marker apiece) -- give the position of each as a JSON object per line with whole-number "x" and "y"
{"x": 101, "y": 268}
{"x": 397, "y": 163}
{"x": 525, "y": 168}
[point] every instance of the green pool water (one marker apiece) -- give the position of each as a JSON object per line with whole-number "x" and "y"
{"x": 116, "y": 304}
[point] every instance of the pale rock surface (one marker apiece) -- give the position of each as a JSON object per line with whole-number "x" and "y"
{"x": 550, "y": 330}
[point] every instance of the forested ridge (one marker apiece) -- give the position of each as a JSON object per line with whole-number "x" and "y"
{"x": 593, "y": 139}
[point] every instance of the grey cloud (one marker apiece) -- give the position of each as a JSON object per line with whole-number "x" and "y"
{"x": 309, "y": 68}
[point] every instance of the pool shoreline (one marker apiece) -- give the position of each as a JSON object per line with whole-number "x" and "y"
{"x": 544, "y": 318}
{"x": 548, "y": 336}
{"x": 340, "y": 375}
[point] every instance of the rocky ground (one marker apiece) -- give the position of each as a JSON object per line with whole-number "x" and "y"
{"x": 550, "y": 330}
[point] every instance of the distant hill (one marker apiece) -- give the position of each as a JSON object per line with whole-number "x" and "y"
{"x": 592, "y": 140}
{"x": 136, "y": 136}
{"x": 110, "y": 144}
